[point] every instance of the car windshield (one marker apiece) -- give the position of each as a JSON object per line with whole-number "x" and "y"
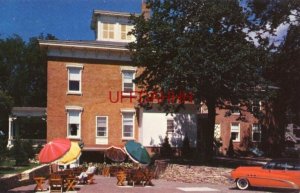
{"x": 283, "y": 165}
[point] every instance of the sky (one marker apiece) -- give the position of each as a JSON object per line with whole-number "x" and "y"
{"x": 65, "y": 19}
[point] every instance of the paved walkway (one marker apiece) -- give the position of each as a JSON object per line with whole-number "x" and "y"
{"x": 108, "y": 185}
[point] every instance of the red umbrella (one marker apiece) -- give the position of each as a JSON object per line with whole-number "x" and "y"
{"x": 116, "y": 154}
{"x": 54, "y": 150}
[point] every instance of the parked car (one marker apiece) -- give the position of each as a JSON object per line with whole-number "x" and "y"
{"x": 280, "y": 173}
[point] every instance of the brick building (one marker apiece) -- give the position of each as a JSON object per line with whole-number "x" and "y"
{"x": 90, "y": 99}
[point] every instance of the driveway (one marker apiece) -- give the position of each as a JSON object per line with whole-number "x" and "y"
{"x": 108, "y": 185}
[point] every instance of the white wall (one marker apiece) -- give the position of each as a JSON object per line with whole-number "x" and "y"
{"x": 154, "y": 128}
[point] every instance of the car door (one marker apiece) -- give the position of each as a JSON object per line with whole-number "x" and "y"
{"x": 279, "y": 176}
{"x": 261, "y": 177}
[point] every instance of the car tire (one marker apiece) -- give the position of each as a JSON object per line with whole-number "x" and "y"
{"x": 242, "y": 183}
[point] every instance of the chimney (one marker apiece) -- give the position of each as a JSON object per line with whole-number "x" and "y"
{"x": 145, "y": 10}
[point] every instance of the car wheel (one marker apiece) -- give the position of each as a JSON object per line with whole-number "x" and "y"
{"x": 242, "y": 183}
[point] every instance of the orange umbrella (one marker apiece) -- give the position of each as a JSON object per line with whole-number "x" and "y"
{"x": 54, "y": 150}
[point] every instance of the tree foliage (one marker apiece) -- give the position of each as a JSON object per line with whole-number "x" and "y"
{"x": 23, "y": 75}
{"x": 199, "y": 47}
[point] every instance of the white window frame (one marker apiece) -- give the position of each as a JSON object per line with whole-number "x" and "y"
{"x": 128, "y": 69}
{"x": 256, "y": 130}
{"x": 173, "y": 129}
{"x": 78, "y": 109}
{"x": 236, "y": 106}
{"x": 80, "y": 68}
{"x": 106, "y": 127}
{"x": 128, "y": 28}
{"x": 114, "y": 30}
{"x": 131, "y": 111}
{"x": 217, "y": 129}
{"x": 259, "y": 106}
{"x": 239, "y": 131}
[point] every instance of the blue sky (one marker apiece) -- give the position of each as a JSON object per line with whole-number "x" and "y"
{"x": 66, "y": 19}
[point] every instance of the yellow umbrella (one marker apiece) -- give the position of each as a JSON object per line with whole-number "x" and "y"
{"x": 72, "y": 155}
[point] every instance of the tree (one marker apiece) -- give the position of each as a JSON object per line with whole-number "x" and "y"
{"x": 283, "y": 67}
{"x": 23, "y": 74}
{"x": 199, "y": 47}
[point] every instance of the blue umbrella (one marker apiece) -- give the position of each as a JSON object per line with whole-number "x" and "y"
{"x": 137, "y": 152}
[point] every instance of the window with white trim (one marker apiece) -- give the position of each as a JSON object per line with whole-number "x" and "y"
{"x": 125, "y": 29}
{"x": 170, "y": 125}
{"x": 235, "y": 132}
{"x": 74, "y": 80}
{"x": 256, "y": 132}
{"x": 235, "y": 109}
{"x": 102, "y": 126}
{"x": 74, "y": 123}
{"x": 108, "y": 31}
{"x": 127, "y": 125}
{"x": 127, "y": 81}
{"x": 217, "y": 132}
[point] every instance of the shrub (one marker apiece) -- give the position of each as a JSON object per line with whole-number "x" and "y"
{"x": 186, "y": 149}
{"x": 166, "y": 150}
{"x": 230, "y": 151}
{"x": 3, "y": 148}
{"x": 19, "y": 153}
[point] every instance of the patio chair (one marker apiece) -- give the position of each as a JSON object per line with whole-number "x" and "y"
{"x": 138, "y": 177}
{"x": 55, "y": 183}
{"x": 90, "y": 178}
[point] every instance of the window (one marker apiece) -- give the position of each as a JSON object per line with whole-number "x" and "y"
{"x": 124, "y": 32}
{"x": 235, "y": 110}
{"x": 74, "y": 123}
{"x": 74, "y": 79}
{"x": 256, "y": 106}
{"x": 108, "y": 31}
{"x": 102, "y": 126}
{"x": 128, "y": 125}
{"x": 256, "y": 132}
{"x": 235, "y": 132}
{"x": 170, "y": 126}
{"x": 217, "y": 132}
{"x": 128, "y": 85}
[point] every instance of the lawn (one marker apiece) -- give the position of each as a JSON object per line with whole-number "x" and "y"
{"x": 8, "y": 167}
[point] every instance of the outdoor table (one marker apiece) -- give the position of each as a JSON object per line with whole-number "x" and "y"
{"x": 70, "y": 183}
{"x": 39, "y": 183}
{"x": 121, "y": 177}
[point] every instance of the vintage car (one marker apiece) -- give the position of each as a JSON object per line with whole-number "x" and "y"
{"x": 281, "y": 173}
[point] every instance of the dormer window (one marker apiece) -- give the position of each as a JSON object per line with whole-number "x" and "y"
{"x": 108, "y": 31}
{"x": 125, "y": 29}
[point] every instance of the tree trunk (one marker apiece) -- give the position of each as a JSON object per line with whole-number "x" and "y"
{"x": 206, "y": 131}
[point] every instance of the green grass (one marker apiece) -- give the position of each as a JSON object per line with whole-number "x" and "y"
{"x": 8, "y": 167}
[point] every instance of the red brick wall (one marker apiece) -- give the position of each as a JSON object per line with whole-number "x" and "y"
{"x": 97, "y": 81}
{"x": 245, "y": 128}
